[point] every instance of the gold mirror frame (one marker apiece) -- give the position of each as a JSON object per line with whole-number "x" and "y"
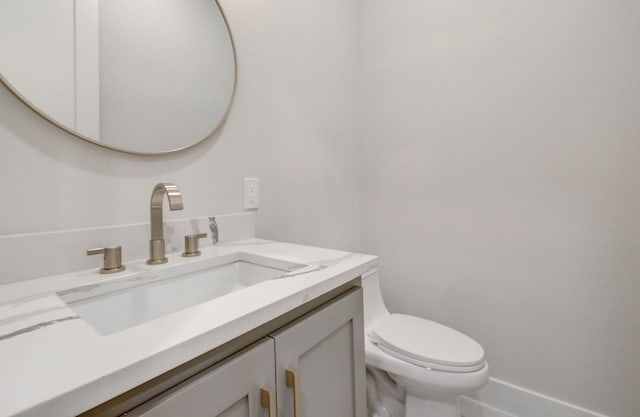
{"x": 79, "y": 135}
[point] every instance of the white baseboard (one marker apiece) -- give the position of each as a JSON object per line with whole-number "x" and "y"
{"x": 501, "y": 399}
{"x": 473, "y": 408}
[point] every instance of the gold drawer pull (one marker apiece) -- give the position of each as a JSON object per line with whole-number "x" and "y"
{"x": 268, "y": 400}
{"x": 293, "y": 381}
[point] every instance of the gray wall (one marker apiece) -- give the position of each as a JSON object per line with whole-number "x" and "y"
{"x": 292, "y": 125}
{"x": 502, "y": 160}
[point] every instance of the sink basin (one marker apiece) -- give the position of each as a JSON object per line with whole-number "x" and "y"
{"x": 113, "y": 307}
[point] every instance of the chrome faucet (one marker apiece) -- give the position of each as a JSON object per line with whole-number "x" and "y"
{"x": 156, "y": 244}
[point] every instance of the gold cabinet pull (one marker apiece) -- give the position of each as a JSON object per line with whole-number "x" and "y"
{"x": 293, "y": 381}
{"x": 268, "y": 400}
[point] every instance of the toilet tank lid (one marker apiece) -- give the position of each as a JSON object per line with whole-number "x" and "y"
{"x": 426, "y": 341}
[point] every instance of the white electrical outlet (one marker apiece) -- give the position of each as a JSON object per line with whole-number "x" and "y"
{"x": 251, "y": 193}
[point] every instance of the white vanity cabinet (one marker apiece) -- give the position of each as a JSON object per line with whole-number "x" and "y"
{"x": 320, "y": 367}
{"x": 230, "y": 389}
{"x": 313, "y": 365}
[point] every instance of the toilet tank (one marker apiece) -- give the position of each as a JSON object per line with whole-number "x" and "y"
{"x": 374, "y": 307}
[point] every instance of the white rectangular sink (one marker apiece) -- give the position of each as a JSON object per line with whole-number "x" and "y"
{"x": 117, "y": 306}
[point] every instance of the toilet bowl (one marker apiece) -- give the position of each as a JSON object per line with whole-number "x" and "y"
{"x": 433, "y": 363}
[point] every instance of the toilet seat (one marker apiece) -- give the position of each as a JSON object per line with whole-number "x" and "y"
{"x": 427, "y": 344}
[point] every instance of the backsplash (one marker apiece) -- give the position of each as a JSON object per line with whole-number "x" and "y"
{"x": 35, "y": 255}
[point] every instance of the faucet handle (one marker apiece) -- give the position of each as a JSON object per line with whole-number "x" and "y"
{"x": 191, "y": 244}
{"x": 112, "y": 259}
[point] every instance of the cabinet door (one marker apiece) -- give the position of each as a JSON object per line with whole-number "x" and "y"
{"x": 320, "y": 369}
{"x": 230, "y": 389}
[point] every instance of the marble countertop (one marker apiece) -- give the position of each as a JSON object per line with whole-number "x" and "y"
{"x": 54, "y": 363}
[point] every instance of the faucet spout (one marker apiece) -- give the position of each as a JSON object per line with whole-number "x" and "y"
{"x": 156, "y": 244}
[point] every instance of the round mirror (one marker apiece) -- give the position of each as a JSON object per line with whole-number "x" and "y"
{"x": 138, "y": 76}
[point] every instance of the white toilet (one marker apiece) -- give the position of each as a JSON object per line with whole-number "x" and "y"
{"x": 433, "y": 363}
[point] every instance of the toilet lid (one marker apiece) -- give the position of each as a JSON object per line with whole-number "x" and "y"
{"x": 428, "y": 344}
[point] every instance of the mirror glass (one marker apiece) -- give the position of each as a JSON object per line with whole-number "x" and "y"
{"x": 140, "y": 76}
